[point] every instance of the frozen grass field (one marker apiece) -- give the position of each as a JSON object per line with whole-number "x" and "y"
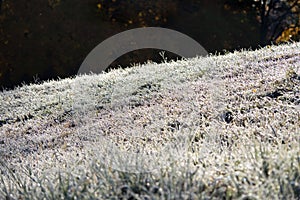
{"x": 234, "y": 120}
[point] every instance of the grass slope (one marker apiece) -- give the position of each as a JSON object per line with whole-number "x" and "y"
{"x": 238, "y": 114}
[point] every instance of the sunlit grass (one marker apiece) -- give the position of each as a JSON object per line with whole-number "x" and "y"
{"x": 238, "y": 114}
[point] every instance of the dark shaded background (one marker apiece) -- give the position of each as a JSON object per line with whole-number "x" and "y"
{"x": 46, "y": 39}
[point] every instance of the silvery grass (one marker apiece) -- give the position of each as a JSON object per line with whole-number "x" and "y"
{"x": 235, "y": 117}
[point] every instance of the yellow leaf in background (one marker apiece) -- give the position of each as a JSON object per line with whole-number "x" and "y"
{"x": 287, "y": 34}
{"x": 53, "y": 3}
{"x": 99, "y": 5}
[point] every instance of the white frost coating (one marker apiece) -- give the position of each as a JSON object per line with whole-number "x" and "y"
{"x": 166, "y": 100}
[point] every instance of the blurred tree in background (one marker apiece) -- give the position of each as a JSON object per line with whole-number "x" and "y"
{"x": 279, "y": 19}
{"x": 47, "y": 39}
